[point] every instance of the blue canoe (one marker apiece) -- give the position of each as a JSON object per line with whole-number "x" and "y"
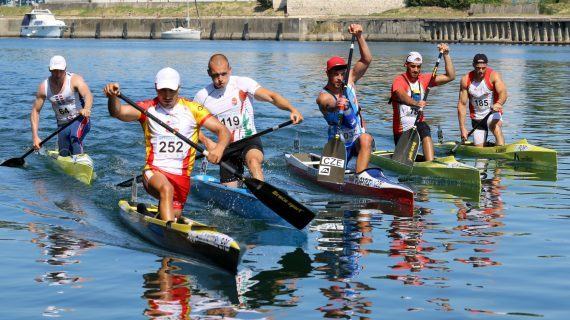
{"x": 237, "y": 200}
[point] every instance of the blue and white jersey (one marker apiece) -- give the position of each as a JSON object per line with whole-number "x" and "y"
{"x": 351, "y": 126}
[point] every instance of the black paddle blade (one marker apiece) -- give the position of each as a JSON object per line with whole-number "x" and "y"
{"x": 129, "y": 182}
{"x": 286, "y": 207}
{"x": 14, "y": 162}
{"x": 333, "y": 162}
{"x": 407, "y": 147}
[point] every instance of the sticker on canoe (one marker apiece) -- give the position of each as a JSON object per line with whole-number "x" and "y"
{"x": 218, "y": 240}
{"x": 331, "y": 161}
{"x": 324, "y": 171}
{"x": 521, "y": 147}
{"x": 368, "y": 182}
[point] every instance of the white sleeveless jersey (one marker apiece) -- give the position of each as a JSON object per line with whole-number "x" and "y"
{"x": 232, "y": 105}
{"x": 482, "y": 95}
{"x": 66, "y": 103}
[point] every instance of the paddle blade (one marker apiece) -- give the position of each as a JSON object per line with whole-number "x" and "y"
{"x": 333, "y": 162}
{"x": 286, "y": 207}
{"x": 14, "y": 162}
{"x": 407, "y": 147}
{"x": 129, "y": 182}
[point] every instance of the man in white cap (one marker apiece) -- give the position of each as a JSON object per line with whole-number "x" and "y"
{"x": 408, "y": 90}
{"x": 169, "y": 160}
{"x": 70, "y": 98}
{"x": 333, "y": 98}
{"x": 230, "y": 98}
{"x": 484, "y": 91}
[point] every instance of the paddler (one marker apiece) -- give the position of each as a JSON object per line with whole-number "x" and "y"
{"x": 70, "y": 97}
{"x": 485, "y": 92}
{"x": 169, "y": 160}
{"x": 333, "y": 99}
{"x": 230, "y": 98}
{"x": 408, "y": 90}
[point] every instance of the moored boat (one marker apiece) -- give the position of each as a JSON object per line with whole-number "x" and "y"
{"x": 187, "y": 237}
{"x": 445, "y": 169}
{"x": 78, "y": 166}
{"x": 371, "y": 182}
{"x": 41, "y": 23}
{"x": 520, "y": 151}
{"x": 237, "y": 200}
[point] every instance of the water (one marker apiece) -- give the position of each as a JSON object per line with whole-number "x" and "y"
{"x": 66, "y": 254}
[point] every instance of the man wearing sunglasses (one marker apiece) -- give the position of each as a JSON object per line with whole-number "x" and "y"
{"x": 408, "y": 90}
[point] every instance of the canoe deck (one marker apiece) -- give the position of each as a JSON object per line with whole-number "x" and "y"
{"x": 520, "y": 152}
{"x": 78, "y": 166}
{"x": 444, "y": 169}
{"x": 187, "y": 237}
{"x": 306, "y": 166}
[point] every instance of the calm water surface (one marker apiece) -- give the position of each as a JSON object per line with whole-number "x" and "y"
{"x": 502, "y": 253}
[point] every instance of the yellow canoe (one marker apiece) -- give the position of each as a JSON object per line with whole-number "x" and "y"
{"x": 78, "y": 166}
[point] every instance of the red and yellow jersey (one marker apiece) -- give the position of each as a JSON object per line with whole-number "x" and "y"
{"x": 404, "y": 115}
{"x": 164, "y": 150}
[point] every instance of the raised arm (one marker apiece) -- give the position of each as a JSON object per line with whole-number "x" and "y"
{"x": 279, "y": 101}
{"x": 122, "y": 112}
{"x": 35, "y": 115}
{"x": 462, "y": 107}
{"x": 363, "y": 63}
{"x": 449, "y": 68}
{"x": 79, "y": 84}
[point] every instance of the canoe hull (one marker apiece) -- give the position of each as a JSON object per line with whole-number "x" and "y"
{"x": 381, "y": 188}
{"x": 520, "y": 151}
{"x": 191, "y": 238}
{"x": 237, "y": 200}
{"x": 79, "y": 166}
{"x": 445, "y": 169}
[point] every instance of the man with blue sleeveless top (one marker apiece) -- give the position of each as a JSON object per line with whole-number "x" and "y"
{"x": 334, "y": 99}
{"x": 70, "y": 97}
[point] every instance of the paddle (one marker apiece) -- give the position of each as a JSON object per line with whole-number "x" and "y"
{"x": 18, "y": 162}
{"x": 457, "y": 144}
{"x": 231, "y": 148}
{"x": 409, "y": 142}
{"x": 286, "y": 207}
{"x": 333, "y": 161}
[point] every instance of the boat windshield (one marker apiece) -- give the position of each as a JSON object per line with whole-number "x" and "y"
{"x": 26, "y": 20}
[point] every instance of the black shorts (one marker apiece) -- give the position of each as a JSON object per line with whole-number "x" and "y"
{"x": 482, "y": 126}
{"x": 423, "y": 130}
{"x": 236, "y": 159}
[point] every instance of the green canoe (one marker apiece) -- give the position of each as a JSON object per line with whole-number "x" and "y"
{"x": 445, "y": 169}
{"x": 78, "y": 166}
{"x": 520, "y": 151}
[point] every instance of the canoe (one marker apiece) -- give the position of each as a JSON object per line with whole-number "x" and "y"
{"x": 520, "y": 151}
{"x": 445, "y": 169}
{"x": 237, "y": 200}
{"x": 370, "y": 183}
{"x": 187, "y": 237}
{"x": 78, "y": 166}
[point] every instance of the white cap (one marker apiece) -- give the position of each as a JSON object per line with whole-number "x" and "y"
{"x": 167, "y": 78}
{"x": 414, "y": 57}
{"x": 57, "y": 63}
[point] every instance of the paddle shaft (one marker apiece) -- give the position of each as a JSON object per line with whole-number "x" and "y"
{"x": 47, "y": 138}
{"x": 345, "y": 84}
{"x": 432, "y": 79}
{"x": 194, "y": 145}
{"x": 472, "y": 130}
{"x": 232, "y": 147}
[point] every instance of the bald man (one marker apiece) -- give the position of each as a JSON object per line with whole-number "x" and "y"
{"x": 230, "y": 99}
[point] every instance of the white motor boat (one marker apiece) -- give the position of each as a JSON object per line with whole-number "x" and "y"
{"x": 41, "y": 23}
{"x": 182, "y": 33}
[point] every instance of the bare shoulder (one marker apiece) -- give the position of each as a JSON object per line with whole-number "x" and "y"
{"x": 463, "y": 82}
{"x": 495, "y": 76}
{"x": 77, "y": 79}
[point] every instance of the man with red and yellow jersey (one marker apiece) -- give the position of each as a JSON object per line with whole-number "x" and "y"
{"x": 485, "y": 92}
{"x": 407, "y": 97}
{"x": 169, "y": 161}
